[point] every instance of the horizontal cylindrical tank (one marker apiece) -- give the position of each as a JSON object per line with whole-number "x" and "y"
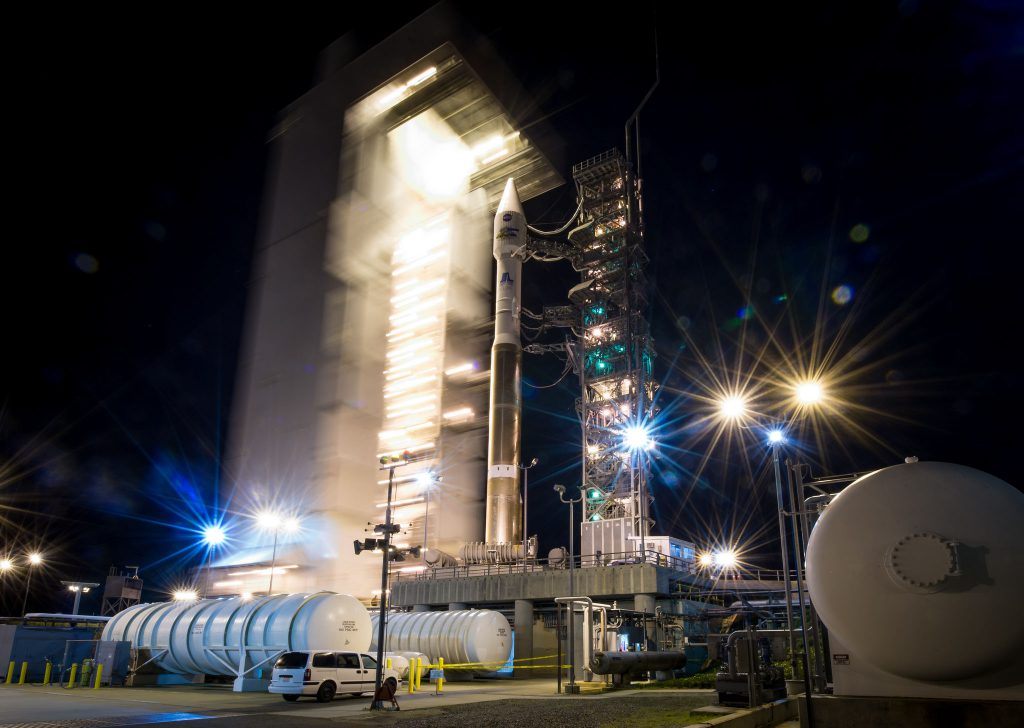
{"x": 482, "y": 552}
{"x": 917, "y": 569}
{"x": 436, "y": 557}
{"x": 558, "y": 556}
{"x": 622, "y": 663}
{"x": 463, "y": 636}
{"x": 208, "y": 636}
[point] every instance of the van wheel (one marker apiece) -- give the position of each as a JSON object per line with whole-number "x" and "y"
{"x": 326, "y": 692}
{"x": 290, "y": 698}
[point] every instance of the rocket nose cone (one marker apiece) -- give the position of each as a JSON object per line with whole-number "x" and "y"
{"x": 510, "y": 198}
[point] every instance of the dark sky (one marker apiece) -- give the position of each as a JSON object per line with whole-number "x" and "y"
{"x": 786, "y": 153}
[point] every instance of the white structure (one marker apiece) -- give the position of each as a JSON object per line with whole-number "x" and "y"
{"x": 918, "y": 572}
{"x": 462, "y": 636}
{"x": 369, "y": 316}
{"x": 241, "y": 637}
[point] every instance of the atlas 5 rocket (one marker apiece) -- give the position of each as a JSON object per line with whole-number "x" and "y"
{"x": 504, "y": 503}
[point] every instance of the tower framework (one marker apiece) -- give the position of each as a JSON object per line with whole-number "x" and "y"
{"x": 615, "y": 354}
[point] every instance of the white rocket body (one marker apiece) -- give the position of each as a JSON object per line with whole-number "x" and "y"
{"x": 504, "y": 502}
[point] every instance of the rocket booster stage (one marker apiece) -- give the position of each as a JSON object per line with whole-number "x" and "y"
{"x": 504, "y": 503}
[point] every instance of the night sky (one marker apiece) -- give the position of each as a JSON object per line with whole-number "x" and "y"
{"x": 839, "y": 185}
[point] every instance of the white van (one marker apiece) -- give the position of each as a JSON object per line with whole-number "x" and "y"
{"x": 325, "y": 674}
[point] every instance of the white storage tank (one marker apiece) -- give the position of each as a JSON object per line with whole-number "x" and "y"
{"x": 463, "y": 636}
{"x": 917, "y": 571}
{"x": 210, "y": 635}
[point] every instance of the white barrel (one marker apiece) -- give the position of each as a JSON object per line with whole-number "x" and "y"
{"x": 918, "y": 569}
{"x": 208, "y": 636}
{"x": 464, "y": 636}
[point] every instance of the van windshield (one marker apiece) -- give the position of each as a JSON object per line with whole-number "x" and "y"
{"x": 292, "y": 659}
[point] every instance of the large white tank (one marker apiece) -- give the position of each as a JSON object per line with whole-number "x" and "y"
{"x": 918, "y": 571}
{"x": 462, "y": 636}
{"x": 208, "y": 636}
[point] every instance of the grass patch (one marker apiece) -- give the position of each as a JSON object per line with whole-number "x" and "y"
{"x": 703, "y": 679}
{"x": 657, "y": 718}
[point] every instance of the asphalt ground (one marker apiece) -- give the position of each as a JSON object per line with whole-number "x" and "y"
{"x": 496, "y": 704}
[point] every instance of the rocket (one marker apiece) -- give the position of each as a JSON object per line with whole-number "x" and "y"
{"x": 504, "y": 503}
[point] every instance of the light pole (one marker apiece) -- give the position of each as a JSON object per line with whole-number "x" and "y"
{"x": 560, "y": 489}
{"x": 79, "y": 588}
{"x": 213, "y": 536}
{"x": 34, "y": 559}
{"x": 526, "y": 493}
{"x": 388, "y": 463}
{"x": 272, "y": 521}
{"x": 776, "y": 439}
{"x": 636, "y": 439}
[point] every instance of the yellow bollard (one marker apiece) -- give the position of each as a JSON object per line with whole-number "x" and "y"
{"x": 74, "y": 674}
{"x": 24, "y": 671}
{"x": 10, "y": 673}
{"x": 419, "y": 671}
{"x": 99, "y": 676}
{"x": 46, "y": 675}
{"x": 440, "y": 680}
{"x": 412, "y": 675}
{"x": 387, "y": 663}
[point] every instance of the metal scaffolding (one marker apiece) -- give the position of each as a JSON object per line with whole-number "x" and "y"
{"x": 614, "y": 353}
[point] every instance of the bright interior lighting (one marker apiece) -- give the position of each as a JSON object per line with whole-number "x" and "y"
{"x": 74, "y": 587}
{"x": 732, "y": 407}
{"x": 214, "y": 536}
{"x": 246, "y": 596}
{"x": 494, "y": 157}
{"x": 185, "y": 595}
{"x": 809, "y": 392}
{"x": 463, "y": 413}
{"x": 467, "y": 367}
{"x": 421, "y": 77}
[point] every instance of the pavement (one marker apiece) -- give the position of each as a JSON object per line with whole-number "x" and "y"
{"x": 31, "y": 706}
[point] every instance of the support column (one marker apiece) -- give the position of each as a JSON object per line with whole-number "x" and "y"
{"x": 647, "y": 603}
{"x": 524, "y": 637}
{"x": 421, "y": 607}
{"x": 456, "y": 606}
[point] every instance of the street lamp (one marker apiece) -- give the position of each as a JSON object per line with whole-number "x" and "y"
{"x": 79, "y": 588}
{"x": 278, "y": 523}
{"x": 185, "y": 595}
{"x": 560, "y": 489}
{"x": 6, "y": 565}
{"x": 526, "y": 492}
{"x": 34, "y": 559}
{"x": 809, "y": 392}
